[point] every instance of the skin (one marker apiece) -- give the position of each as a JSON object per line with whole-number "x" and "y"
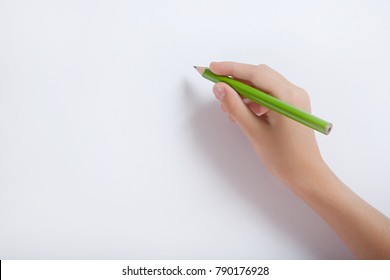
{"x": 290, "y": 151}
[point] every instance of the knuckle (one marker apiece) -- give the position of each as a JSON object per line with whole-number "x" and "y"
{"x": 302, "y": 98}
{"x": 252, "y": 72}
{"x": 303, "y": 93}
{"x": 263, "y": 67}
{"x": 259, "y": 70}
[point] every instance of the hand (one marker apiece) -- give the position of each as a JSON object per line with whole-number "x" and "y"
{"x": 288, "y": 148}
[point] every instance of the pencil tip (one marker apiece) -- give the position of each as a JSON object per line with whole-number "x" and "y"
{"x": 200, "y": 69}
{"x": 195, "y": 66}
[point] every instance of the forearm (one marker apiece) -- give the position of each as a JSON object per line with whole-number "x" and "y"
{"x": 364, "y": 229}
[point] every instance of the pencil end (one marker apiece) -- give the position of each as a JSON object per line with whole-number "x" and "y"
{"x": 328, "y": 128}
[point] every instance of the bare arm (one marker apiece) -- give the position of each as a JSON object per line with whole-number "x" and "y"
{"x": 290, "y": 151}
{"x": 364, "y": 229}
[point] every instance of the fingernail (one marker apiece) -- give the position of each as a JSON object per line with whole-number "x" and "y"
{"x": 219, "y": 92}
{"x": 258, "y": 112}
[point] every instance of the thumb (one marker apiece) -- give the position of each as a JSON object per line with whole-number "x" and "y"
{"x": 235, "y": 107}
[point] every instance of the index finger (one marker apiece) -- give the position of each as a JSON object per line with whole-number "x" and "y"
{"x": 261, "y": 76}
{"x": 241, "y": 71}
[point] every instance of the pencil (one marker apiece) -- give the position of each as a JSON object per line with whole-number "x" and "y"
{"x": 269, "y": 101}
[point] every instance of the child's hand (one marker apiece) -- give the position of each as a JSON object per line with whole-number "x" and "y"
{"x": 289, "y": 149}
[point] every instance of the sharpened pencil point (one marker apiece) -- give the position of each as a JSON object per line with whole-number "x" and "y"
{"x": 200, "y": 69}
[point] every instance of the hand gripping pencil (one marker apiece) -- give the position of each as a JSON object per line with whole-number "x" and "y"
{"x": 269, "y": 101}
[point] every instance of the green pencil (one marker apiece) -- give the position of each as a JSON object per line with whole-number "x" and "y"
{"x": 269, "y": 101}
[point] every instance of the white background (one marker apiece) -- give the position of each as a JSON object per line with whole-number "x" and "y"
{"x": 113, "y": 147}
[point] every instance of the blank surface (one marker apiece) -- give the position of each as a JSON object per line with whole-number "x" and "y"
{"x": 113, "y": 147}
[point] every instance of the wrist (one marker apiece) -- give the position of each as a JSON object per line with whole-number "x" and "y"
{"x": 311, "y": 179}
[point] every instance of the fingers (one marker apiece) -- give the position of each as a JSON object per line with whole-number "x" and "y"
{"x": 257, "y": 109}
{"x": 260, "y": 76}
{"x": 240, "y": 71}
{"x": 232, "y": 104}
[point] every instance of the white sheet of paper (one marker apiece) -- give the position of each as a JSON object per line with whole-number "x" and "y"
{"x": 113, "y": 147}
